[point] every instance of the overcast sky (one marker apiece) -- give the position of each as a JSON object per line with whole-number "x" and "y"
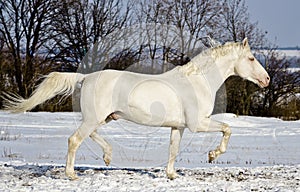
{"x": 280, "y": 18}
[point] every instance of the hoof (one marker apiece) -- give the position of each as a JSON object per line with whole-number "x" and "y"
{"x": 72, "y": 176}
{"x": 212, "y": 156}
{"x": 107, "y": 159}
{"x": 172, "y": 176}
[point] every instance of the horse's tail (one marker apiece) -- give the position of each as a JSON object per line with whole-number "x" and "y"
{"x": 54, "y": 84}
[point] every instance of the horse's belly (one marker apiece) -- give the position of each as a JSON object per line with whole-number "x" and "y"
{"x": 154, "y": 103}
{"x": 157, "y": 116}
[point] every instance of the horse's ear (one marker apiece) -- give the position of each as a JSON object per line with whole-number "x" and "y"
{"x": 245, "y": 42}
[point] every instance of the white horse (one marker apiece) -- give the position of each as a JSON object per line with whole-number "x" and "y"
{"x": 180, "y": 98}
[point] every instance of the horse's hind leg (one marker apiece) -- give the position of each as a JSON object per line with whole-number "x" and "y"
{"x": 176, "y": 135}
{"x": 106, "y": 147}
{"x": 73, "y": 144}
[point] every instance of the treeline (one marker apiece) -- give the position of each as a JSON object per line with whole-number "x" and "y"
{"x": 41, "y": 36}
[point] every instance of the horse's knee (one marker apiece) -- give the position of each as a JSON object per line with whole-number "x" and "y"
{"x": 93, "y": 135}
{"x": 226, "y": 130}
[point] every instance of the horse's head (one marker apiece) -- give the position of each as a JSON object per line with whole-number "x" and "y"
{"x": 249, "y": 68}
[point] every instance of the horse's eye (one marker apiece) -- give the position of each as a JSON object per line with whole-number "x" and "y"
{"x": 251, "y": 58}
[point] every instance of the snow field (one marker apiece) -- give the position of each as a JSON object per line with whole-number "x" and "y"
{"x": 263, "y": 155}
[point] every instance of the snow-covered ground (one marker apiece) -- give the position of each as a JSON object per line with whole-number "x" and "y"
{"x": 263, "y": 154}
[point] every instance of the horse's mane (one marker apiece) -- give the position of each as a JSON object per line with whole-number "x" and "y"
{"x": 203, "y": 61}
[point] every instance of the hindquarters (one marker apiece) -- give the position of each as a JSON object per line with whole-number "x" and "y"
{"x": 96, "y": 96}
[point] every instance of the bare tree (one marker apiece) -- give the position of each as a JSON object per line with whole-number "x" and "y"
{"x": 155, "y": 37}
{"x": 235, "y": 24}
{"x": 25, "y": 26}
{"x": 82, "y": 24}
{"x": 194, "y": 19}
{"x": 284, "y": 84}
{"x": 184, "y": 23}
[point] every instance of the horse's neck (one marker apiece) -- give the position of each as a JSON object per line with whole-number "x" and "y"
{"x": 214, "y": 66}
{"x": 220, "y": 71}
{"x": 217, "y": 72}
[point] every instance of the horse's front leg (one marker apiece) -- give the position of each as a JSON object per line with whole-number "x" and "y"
{"x": 175, "y": 138}
{"x": 214, "y": 154}
{"x": 209, "y": 125}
